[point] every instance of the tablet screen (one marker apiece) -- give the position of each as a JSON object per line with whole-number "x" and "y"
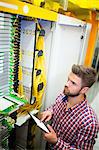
{"x": 39, "y": 123}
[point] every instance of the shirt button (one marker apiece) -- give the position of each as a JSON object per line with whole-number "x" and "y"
{"x": 69, "y": 109}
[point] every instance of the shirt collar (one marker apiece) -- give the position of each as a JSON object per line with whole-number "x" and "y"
{"x": 65, "y": 98}
{"x": 79, "y": 105}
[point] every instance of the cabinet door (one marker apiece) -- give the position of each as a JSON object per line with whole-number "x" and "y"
{"x": 66, "y": 49}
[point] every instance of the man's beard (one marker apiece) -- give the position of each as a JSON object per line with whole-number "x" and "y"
{"x": 67, "y": 92}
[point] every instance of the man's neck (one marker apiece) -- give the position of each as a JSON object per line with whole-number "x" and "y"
{"x": 75, "y": 100}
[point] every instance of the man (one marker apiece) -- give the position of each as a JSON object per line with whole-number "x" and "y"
{"x": 74, "y": 123}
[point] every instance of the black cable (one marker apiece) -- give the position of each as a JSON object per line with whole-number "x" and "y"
{"x": 36, "y": 29}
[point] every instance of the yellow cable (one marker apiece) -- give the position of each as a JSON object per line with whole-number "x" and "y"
{"x": 39, "y": 64}
{"x": 20, "y": 88}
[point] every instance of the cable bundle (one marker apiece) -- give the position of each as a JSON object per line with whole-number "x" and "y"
{"x": 14, "y": 55}
{"x": 39, "y": 77}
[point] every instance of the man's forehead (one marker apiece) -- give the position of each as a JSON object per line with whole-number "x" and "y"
{"x": 74, "y": 77}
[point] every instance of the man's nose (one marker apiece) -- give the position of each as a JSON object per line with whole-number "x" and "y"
{"x": 67, "y": 84}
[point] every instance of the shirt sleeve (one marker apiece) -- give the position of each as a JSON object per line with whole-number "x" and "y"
{"x": 85, "y": 140}
{"x": 87, "y": 135}
{"x": 56, "y": 102}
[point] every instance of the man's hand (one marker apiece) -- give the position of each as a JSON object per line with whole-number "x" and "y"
{"x": 46, "y": 116}
{"x": 51, "y": 137}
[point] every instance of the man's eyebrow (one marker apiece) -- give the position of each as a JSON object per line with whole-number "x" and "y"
{"x": 72, "y": 81}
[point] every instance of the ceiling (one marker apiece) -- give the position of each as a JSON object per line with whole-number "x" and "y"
{"x": 82, "y": 8}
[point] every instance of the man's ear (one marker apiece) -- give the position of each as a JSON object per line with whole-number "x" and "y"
{"x": 84, "y": 90}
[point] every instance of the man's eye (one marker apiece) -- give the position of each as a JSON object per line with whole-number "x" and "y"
{"x": 73, "y": 83}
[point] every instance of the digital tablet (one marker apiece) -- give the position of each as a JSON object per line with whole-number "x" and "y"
{"x": 39, "y": 123}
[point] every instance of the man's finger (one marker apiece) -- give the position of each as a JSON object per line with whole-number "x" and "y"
{"x": 47, "y": 119}
{"x": 50, "y": 128}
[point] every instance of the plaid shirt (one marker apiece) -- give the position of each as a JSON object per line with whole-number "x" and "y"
{"x": 76, "y": 128}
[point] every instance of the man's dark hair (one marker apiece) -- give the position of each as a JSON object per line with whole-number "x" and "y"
{"x": 87, "y": 74}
